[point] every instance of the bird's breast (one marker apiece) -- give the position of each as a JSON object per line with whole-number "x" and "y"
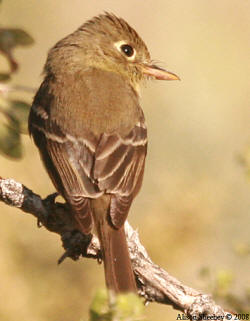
{"x": 97, "y": 101}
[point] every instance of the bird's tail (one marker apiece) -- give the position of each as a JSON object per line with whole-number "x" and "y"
{"x": 117, "y": 264}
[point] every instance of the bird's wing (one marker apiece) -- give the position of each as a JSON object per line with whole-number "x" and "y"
{"x": 83, "y": 167}
{"x": 69, "y": 162}
{"x": 119, "y": 167}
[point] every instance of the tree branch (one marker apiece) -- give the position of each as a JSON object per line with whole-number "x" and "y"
{"x": 154, "y": 283}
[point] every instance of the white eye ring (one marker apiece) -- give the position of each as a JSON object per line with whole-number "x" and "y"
{"x": 119, "y": 45}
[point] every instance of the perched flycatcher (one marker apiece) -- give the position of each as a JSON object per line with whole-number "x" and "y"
{"x": 88, "y": 125}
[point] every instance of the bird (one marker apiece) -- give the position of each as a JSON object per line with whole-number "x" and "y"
{"x": 90, "y": 130}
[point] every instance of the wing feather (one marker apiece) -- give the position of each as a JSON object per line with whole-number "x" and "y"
{"x": 89, "y": 167}
{"x": 119, "y": 167}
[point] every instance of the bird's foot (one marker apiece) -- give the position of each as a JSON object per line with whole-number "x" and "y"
{"x": 48, "y": 202}
{"x": 75, "y": 244}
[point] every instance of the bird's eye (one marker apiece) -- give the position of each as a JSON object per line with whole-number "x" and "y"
{"x": 127, "y": 50}
{"x": 123, "y": 47}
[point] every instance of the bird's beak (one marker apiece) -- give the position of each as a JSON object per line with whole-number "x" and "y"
{"x": 158, "y": 73}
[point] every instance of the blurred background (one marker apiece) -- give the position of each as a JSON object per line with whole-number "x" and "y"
{"x": 192, "y": 213}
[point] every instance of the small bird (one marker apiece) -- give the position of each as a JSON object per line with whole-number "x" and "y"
{"x": 90, "y": 130}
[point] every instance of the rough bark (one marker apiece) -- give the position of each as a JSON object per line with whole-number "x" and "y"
{"x": 154, "y": 283}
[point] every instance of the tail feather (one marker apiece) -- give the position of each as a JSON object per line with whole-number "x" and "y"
{"x": 117, "y": 264}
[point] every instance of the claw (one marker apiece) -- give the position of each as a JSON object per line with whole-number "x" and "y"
{"x": 49, "y": 201}
{"x": 39, "y": 223}
{"x": 99, "y": 259}
{"x": 63, "y": 257}
{"x": 75, "y": 244}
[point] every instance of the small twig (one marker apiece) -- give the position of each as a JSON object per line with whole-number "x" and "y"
{"x": 154, "y": 283}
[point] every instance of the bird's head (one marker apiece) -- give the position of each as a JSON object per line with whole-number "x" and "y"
{"x": 109, "y": 43}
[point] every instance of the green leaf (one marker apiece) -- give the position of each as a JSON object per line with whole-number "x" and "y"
{"x": 10, "y": 38}
{"x": 241, "y": 248}
{"x": 18, "y": 113}
{"x": 22, "y": 37}
{"x": 127, "y": 307}
{"x": 99, "y": 309}
{"x": 10, "y": 142}
{"x": 224, "y": 280}
{"x": 4, "y": 76}
{"x": 204, "y": 272}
